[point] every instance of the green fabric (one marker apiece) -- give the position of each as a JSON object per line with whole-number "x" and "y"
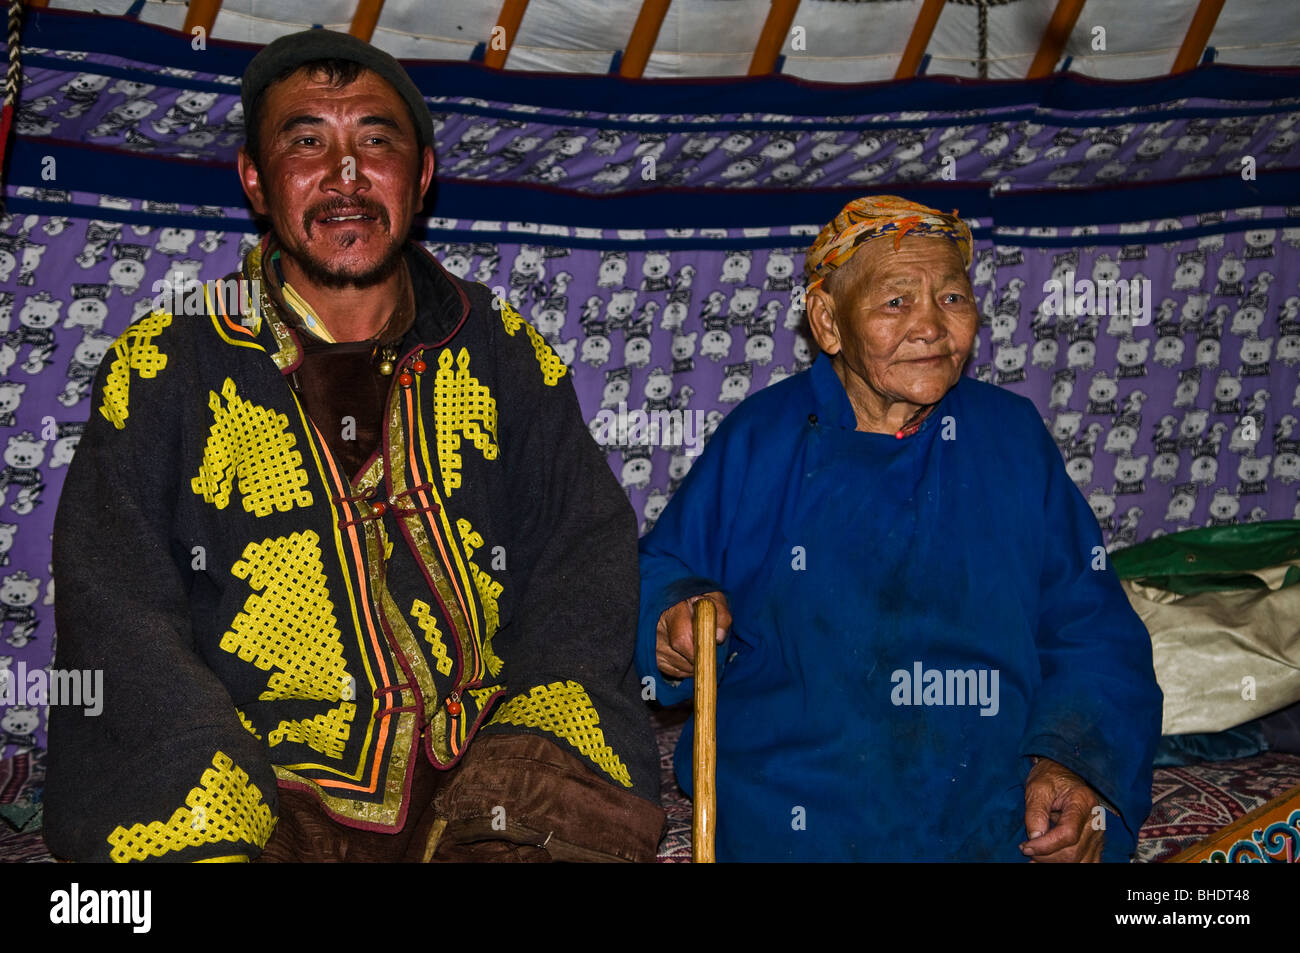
{"x": 23, "y": 816}
{"x": 1244, "y": 741}
{"x": 1213, "y": 558}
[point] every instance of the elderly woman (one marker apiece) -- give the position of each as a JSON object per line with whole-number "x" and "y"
{"x": 923, "y": 652}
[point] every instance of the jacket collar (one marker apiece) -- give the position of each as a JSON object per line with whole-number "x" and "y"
{"x": 441, "y": 305}
{"x": 834, "y": 406}
{"x": 399, "y": 322}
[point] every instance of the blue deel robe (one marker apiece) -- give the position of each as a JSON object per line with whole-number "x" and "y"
{"x": 851, "y": 560}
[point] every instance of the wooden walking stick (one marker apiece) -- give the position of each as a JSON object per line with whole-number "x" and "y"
{"x": 704, "y": 815}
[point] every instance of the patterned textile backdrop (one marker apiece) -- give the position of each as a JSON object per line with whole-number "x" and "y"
{"x": 1183, "y": 415}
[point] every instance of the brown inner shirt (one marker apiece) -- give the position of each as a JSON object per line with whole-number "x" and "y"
{"x": 336, "y": 382}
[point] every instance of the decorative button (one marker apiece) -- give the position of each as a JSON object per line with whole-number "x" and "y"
{"x": 386, "y": 368}
{"x": 420, "y": 367}
{"x": 379, "y": 508}
{"x": 453, "y": 703}
{"x": 405, "y": 379}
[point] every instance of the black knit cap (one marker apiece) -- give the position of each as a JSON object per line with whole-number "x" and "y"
{"x": 296, "y": 49}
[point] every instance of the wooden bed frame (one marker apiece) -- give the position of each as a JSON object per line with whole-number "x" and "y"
{"x": 1268, "y": 834}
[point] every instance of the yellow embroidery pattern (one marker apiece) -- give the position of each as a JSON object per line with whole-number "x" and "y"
{"x": 254, "y": 444}
{"x": 290, "y": 625}
{"x": 552, "y": 367}
{"x": 425, "y": 619}
{"x": 226, "y": 806}
{"x": 462, "y": 406}
{"x": 135, "y": 351}
{"x": 488, "y": 593}
{"x": 243, "y": 720}
{"x": 565, "y": 710}
{"x": 481, "y": 695}
{"x": 326, "y": 733}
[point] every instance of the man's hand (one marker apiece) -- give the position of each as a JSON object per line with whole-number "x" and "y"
{"x": 1058, "y": 798}
{"x": 675, "y": 634}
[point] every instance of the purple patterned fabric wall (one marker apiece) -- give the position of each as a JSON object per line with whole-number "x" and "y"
{"x": 1186, "y": 420}
{"x": 1149, "y": 418}
{"x": 192, "y": 114}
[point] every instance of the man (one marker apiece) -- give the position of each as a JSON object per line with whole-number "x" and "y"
{"x": 928, "y": 658}
{"x": 360, "y": 583}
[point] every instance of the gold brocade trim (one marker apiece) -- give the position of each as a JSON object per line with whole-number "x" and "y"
{"x": 286, "y": 347}
{"x": 411, "y": 648}
{"x": 384, "y": 813}
{"x": 565, "y": 710}
{"x": 287, "y": 354}
{"x": 373, "y": 475}
{"x": 228, "y": 859}
{"x": 436, "y": 735}
{"x": 135, "y": 351}
{"x": 225, "y": 806}
{"x": 552, "y": 367}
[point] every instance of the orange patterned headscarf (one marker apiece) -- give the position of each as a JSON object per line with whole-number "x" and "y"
{"x": 875, "y": 216}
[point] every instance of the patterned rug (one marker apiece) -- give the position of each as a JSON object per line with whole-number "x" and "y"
{"x": 1190, "y": 802}
{"x": 22, "y": 782}
{"x": 675, "y": 848}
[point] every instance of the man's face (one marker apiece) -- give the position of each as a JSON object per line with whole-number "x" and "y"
{"x": 900, "y": 324}
{"x": 342, "y": 175}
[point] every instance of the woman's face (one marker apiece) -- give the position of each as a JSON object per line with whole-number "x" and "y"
{"x": 899, "y": 324}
